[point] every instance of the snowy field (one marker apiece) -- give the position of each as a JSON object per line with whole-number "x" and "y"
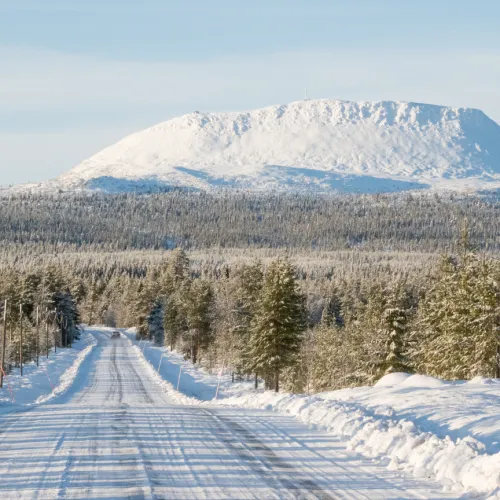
{"x": 449, "y": 431}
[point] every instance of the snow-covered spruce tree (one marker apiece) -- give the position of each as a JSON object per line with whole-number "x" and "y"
{"x": 155, "y": 323}
{"x": 380, "y": 337}
{"x": 174, "y": 289}
{"x": 68, "y": 317}
{"x": 141, "y": 309}
{"x": 327, "y": 343}
{"x": 176, "y": 271}
{"x": 372, "y": 336}
{"x": 30, "y": 288}
{"x": 278, "y": 324}
{"x": 227, "y": 347}
{"x": 199, "y": 316}
{"x": 90, "y": 309}
{"x": 486, "y": 359}
{"x": 394, "y": 330}
{"x": 175, "y": 314}
{"x": 332, "y": 312}
{"x": 298, "y": 377}
{"x": 456, "y": 333}
{"x": 249, "y": 282}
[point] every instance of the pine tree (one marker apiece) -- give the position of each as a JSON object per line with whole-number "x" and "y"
{"x": 279, "y": 323}
{"x": 155, "y": 323}
{"x": 175, "y": 316}
{"x": 394, "y": 330}
{"x": 332, "y": 312}
{"x": 174, "y": 289}
{"x": 456, "y": 333}
{"x": 249, "y": 282}
{"x": 177, "y": 270}
{"x": 199, "y": 307}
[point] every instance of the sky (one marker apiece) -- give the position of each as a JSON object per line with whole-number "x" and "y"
{"x": 78, "y": 75}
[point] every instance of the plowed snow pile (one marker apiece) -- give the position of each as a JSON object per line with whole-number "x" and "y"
{"x": 52, "y": 377}
{"x": 429, "y": 427}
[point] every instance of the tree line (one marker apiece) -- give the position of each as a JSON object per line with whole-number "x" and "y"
{"x": 322, "y": 293}
{"x": 38, "y": 312}
{"x": 257, "y": 322}
{"x": 266, "y": 320}
{"x": 404, "y": 221}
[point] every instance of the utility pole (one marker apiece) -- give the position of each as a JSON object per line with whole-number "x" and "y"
{"x": 497, "y": 371}
{"x": 37, "y": 336}
{"x": 21, "y": 341}
{"x": 47, "y": 333}
{"x": 55, "y": 329}
{"x": 4, "y": 342}
{"x": 70, "y": 334}
{"x": 66, "y": 333}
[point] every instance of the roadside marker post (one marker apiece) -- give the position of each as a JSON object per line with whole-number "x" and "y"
{"x": 159, "y": 364}
{"x": 8, "y": 385}
{"x": 221, "y": 372}
{"x": 179, "y": 379}
{"x": 4, "y": 342}
{"x": 50, "y": 381}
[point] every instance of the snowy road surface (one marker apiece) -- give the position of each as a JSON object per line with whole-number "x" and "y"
{"x": 115, "y": 434}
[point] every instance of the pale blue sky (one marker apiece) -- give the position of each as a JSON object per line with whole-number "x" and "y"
{"x": 77, "y": 75}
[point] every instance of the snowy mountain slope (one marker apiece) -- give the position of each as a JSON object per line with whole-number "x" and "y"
{"x": 307, "y": 145}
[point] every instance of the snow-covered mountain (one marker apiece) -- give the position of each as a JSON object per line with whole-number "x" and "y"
{"x": 319, "y": 145}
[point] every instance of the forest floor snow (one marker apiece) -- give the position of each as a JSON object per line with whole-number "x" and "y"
{"x": 432, "y": 428}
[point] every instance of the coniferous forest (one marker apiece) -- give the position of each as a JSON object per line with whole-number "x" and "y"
{"x": 304, "y": 293}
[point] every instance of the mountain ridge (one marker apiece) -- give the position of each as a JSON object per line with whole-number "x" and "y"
{"x": 315, "y": 145}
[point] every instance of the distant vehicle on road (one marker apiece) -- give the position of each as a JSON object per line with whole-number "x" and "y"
{"x": 115, "y": 335}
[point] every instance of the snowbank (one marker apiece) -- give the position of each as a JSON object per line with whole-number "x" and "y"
{"x": 52, "y": 378}
{"x": 194, "y": 381}
{"x": 428, "y": 427}
{"x": 380, "y": 433}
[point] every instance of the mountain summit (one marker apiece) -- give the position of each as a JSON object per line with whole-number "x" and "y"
{"x": 318, "y": 145}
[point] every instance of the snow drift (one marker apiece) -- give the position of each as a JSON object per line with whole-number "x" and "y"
{"x": 53, "y": 377}
{"x": 426, "y": 426}
{"x": 319, "y": 145}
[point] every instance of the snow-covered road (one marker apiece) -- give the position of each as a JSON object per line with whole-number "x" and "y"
{"x": 115, "y": 434}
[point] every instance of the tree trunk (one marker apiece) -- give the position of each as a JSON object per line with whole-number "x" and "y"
{"x": 21, "y": 338}
{"x": 277, "y": 382}
{"x": 497, "y": 374}
{"x": 4, "y": 343}
{"x": 256, "y": 381}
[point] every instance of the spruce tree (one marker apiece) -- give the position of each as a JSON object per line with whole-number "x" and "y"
{"x": 394, "y": 330}
{"x": 249, "y": 282}
{"x": 199, "y": 308}
{"x": 155, "y": 323}
{"x": 278, "y": 324}
{"x": 456, "y": 333}
{"x": 177, "y": 270}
